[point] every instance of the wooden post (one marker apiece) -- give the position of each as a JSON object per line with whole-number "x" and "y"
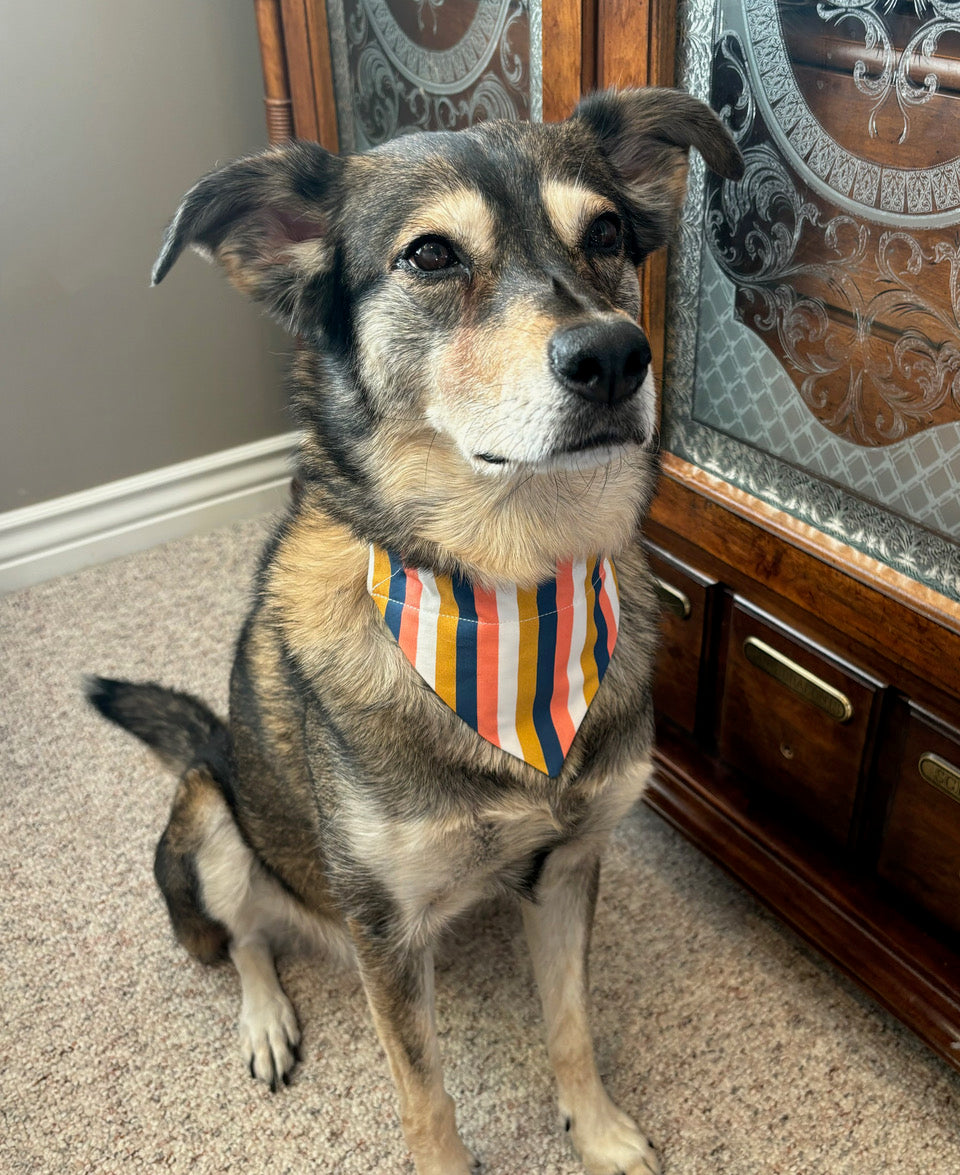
{"x": 276, "y": 87}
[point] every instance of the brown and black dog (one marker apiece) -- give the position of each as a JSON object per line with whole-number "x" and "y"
{"x": 475, "y": 399}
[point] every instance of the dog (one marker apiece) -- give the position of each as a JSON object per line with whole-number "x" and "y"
{"x": 479, "y": 450}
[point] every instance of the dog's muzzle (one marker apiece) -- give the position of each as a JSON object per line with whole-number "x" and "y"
{"x": 604, "y": 361}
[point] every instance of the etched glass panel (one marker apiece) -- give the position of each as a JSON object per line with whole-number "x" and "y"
{"x": 817, "y": 305}
{"x": 408, "y": 65}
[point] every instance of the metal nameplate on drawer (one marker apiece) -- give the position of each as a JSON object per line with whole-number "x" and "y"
{"x": 798, "y": 680}
{"x": 672, "y": 598}
{"x": 940, "y": 773}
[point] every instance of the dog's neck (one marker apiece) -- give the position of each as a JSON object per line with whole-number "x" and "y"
{"x": 519, "y": 665}
{"x": 516, "y": 527}
{"x": 421, "y": 497}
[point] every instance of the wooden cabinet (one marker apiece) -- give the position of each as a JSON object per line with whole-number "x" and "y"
{"x": 806, "y": 531}
{"x": 812, "y": 430}
{"x": 807, "y": 785}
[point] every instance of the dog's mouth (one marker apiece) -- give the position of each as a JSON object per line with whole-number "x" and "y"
{"x": 603, "y": 440}
{"x": 597, "y": 449}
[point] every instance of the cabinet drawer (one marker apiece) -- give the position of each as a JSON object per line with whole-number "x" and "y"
{"x": 795, "y": 719}
{"x": 685, "y": 595}
{"x": 920, "y": 852}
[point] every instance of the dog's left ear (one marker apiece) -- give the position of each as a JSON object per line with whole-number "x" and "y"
{"x": 646, "y": 135}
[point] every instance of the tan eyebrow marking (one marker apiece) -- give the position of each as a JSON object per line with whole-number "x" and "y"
{"x": 571, "y": 207}
{"x": 463, "y": 216}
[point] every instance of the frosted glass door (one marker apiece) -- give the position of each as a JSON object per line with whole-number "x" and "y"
{"x": 405, "y": 65}
{"x": 817, "y": 302}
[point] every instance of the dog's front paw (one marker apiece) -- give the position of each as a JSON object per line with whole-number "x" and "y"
{"x": 269, "y": 1038}
{"x": 436, "y": 1146}
{"x": 455, "y": 1160}
{"x": 609, "y": 1142}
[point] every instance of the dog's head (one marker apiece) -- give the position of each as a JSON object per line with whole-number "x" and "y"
{"x": 473, "y": 384}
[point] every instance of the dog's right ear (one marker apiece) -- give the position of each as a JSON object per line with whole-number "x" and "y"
{"x": 268, "y": 220}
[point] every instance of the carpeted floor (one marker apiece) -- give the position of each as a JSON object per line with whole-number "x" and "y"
{"x": 740, "y": 1051}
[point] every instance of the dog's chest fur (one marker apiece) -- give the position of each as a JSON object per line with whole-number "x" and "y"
{"x": 435, "y": 869}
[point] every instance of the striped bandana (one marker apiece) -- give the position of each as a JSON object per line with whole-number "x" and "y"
{"x": 520, "y": 666}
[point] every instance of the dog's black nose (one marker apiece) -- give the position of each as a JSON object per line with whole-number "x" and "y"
{"x": 605, "y": 360}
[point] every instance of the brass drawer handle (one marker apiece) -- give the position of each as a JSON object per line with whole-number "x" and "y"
{"x": 940, "y": 773}
{"x": 799, "y": 680}
{"x": 673, "y": 599}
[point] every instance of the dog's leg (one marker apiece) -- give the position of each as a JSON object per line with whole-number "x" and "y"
{"x": 269, "y": 1034}
{"x": 399, "y": 987}
{"x": 558, "y": 925}
{"x": 213, "y": 882}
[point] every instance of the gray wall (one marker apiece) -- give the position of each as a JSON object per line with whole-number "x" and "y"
{"x": 109, "y": 110}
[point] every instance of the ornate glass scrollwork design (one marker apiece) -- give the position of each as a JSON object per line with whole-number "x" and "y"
{"x": 823, "y": 320}
{"x": 402, "y": 65}
{"x": 935, "y": 20}
{"x": 853, "y": 173}
{"x": 814, "y": 355}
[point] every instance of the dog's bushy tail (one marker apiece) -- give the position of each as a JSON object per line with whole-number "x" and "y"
{"x": 178, "y": 727}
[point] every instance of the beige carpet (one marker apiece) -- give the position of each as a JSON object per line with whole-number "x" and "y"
{"x": 741, "y": 1052}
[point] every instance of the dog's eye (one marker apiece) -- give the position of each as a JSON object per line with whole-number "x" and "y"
{"x": 431, "y": 254}
{"x": 603, "y": 236}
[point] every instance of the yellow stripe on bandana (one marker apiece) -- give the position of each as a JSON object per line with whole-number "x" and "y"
{"x": 529, "y": 635}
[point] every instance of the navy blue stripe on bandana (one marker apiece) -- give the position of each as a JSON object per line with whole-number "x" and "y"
{"x": 600, "y": 649}
{"x": 546, "y": 655}
{"x": 466, "y": 650}
{"x": 398, "y": 594}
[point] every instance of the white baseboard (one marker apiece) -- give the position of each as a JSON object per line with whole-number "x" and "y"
{"x": 79, "y": 530}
